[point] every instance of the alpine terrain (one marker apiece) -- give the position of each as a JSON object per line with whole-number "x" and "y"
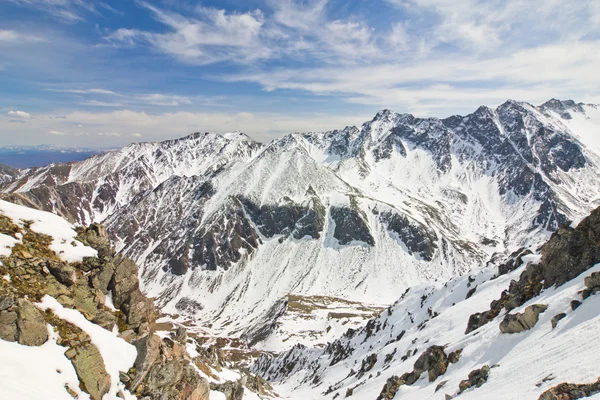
{"x": 295, "y": 241}
{"x": 409, "y": 258}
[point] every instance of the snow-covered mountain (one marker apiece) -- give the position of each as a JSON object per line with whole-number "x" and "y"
{"x": 225, "y": 228}
{"x": 527, "y": 328}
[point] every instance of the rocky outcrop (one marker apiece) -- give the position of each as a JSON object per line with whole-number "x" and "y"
{"x": 350, "y": 226}
{"x": 571, "y": 391}
{"x": 568, "y": 253}
{"x": 519, "y": 322}
{"x": 89, "y": 366}
{"x": 22, "y": 322}
{"x": 434, "y": 361}
{"x": 476, "y": 378}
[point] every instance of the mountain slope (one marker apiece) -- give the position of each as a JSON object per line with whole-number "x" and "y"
{"x": 225, "y": 229}
{"x": 434, "y": 344}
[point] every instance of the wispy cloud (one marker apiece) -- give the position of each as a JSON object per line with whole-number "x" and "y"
{"x": 19, "y": 114}
{"x": 68, "y": 11}
{"x": 157, "y": 99}
{"x": 14, "y": 37}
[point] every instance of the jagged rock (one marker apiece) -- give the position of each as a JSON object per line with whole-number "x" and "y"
{"x": 592, "y": 281}
{"x": 8, "y": 326}
{"x": 454, "y": 356}
{"x": 434, "y": 361}
{"x": 31, "y": 326}
{"x": 89, "y": 366}
{"x": 180, "y": 335}
{"x": 350, "y": 226}
{"x": 97, "y": 237}
{"x": 571, "y": 391}
{"x": 476, "y": 378}
{"x": 5, "y": 302}
{"x": 367, "y": 365}
{"x": 519, "y": 322}
{"x": 100, "y": 279}
{"x": 231, "y": 390}
{"x": 64, "y": 273}
{"x": 575, "y": 304}
{"x": 148, "y": 351}
{"x": 391, "y": 388}
{"x": 557, "y": 318}
{"x": 164, "y": 374}
{"x": 85, "y": 300}
{"x": 568, "y": 253}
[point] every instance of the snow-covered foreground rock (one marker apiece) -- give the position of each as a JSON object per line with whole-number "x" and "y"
{"x": 225, "y": 228}
{"x": 74, "y": 323}
{"x": 509, "y": 331}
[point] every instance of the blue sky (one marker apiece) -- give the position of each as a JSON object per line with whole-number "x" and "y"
{"x": 106, "y": 73}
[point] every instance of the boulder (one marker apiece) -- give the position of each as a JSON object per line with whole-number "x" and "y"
{"x": 64, "y": 273}
{"x": 5, "y": 302}
{"x": 592, "y": 281}
{"x": 89, "y": 365}
{"x": 476, "y": 378}
{"x": 519, "y": 322}
{"x": 31, "y": 326}
{"x": 434, "y": 361}
{"x": 571, "y": 391}
{"x": 8, "y": 326}
{"x": 557, "y": 318}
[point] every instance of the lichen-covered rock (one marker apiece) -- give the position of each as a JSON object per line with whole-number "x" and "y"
{"x": 568, "y": 253}
{"x": 592, "y": 281}
{"x": 31, "y": 326}
{"x": 571, "y": 391}
{"x": 519, "y": 322}
{"x": 64, "y": 273}
{"x": 476, "y": 378}
{"x": 8, "y": 326}
{"x": 89, "y": 365}
{"x": 434, "y": 361}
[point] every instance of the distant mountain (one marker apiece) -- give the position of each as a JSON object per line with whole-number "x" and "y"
{"x": 226, "y": 228}
{"x": 35, "y": 156}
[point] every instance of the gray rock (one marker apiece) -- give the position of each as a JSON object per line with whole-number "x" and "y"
{"x": 89, "y": 365}
{"x": 5, "y": 303}
{"x": 64, "y": 273}
{"x": 519, "y": 322}
{"x": 592, "y": 281}
{"x": 32, "y": 329}
{"x": 8, "y": 326}
{"x": 557, "y": 318}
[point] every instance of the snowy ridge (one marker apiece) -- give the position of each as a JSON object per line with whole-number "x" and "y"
{"x": 559, "y": 347}
{"x": 224, "y": 228}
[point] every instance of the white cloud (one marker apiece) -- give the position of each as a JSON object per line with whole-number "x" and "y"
{"x": 56, "y": 133}
{"x": 125, "y": 125}
{"x": 19, "y": 114}
{"x": 214, "y": 35}
{"x": 68, "y": 11}
{"x": 158, "y": 99}
{"x": 10, "y": 37}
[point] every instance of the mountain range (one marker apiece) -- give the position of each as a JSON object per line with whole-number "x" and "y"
{"x": 231, "y": 233}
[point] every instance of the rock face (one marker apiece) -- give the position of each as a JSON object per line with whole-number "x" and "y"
{"x": 436, "y": 196}
{"x": 571, "y": 391}
{"x": 476, "y": 378}
{"x": 31, "y": 326}
{"x": 568, "y": 253}
{"x": 519, "y": 322}
{"x": 89, "y": 366}
{"x": 433, "y": 360}
{"x": 22, "y": 322}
